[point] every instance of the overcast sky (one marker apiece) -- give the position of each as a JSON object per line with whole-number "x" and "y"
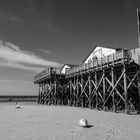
{"x": 35, "y": 34}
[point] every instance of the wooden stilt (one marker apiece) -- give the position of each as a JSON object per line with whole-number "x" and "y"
{"x": 70, "y": 92}
{"x": 50, "y": 96}
{"x": 77, "y": 104}
{"x": 96, "y": 90}
{"x": 55, "y": 90}
{"x": 138, "y": 83}
{"x": 74, "y": 91}
{"x": 90, "y": 101}
{"x": 104, "y": 94}
{"x": 82, "y": 101}
{"x": 125, "y": 90}
{"x": 112, "y": 75}
{"x": 39, "y": 95}
{"x": 42, "y": 93}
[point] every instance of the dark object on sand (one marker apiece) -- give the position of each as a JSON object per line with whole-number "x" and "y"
{"x": 18, "y": 106}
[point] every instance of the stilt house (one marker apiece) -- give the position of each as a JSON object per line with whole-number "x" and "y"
{"x": 100, "y": 52}
{"x": 108, "y": 79}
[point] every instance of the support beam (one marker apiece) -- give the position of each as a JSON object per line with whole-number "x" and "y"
{"x": 55, "y": 91}
{"x": 112, "y": 75}
{"x": 138, "y": 83}
{"x": 74, "y": 91}
{"x": 114, "y": 87}
{"x": 82, "y": 100}
{"x": 77, "y": 83}
{"x": 104, "y": 85}
{"x": 39, "y": 94}
{"x": 96, "y": 82}
{"x": 90, "y": 101}
{"x": 125, "y": 90}
{"x": 70, "y": 102}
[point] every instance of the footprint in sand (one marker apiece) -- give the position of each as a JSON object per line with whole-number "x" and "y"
{"x": 112, "y": 135}
{"x": 75, "y": 133}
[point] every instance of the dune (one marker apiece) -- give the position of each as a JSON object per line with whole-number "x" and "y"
{"x": 42, "y": 122}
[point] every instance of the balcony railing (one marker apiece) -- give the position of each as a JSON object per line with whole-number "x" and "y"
{"x": 46, "y": 72}
{"x": 95, "y": 63}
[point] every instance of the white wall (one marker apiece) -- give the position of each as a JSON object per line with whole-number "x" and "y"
{"x": 63, "y": 71}
{"x": 100, "y": 52}
{"x": 135, "y": 55}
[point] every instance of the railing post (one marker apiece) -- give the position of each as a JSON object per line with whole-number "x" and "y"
{"x": 113, "y": 59}
{"x": 122, "y": 56}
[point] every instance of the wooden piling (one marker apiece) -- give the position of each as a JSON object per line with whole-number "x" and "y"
{"x": 104, "y": 84}
{"x": 125, "y": 90}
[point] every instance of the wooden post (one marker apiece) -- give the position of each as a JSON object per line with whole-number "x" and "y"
{"x": 139, "y": 97}
{"x": 90, "y": 102}
{"x": 43, "y": 93}
{"x": 77, "y": 90}
{"x": 104, "y": 94}
{"x": 82, "y": 101}
{"x": 50, "y": 92}
{"x": 70, "y": 92}
{"x": 138, "y": 79}
{"x": 74, "y": 93}
{"x": 46, "y": 90}
{"x": 55, "y": 90}
{"x": 138, "y": 83}
{"x": 125, "y": 90}
{"x": 112, "y": 75}
{"x": 39, "y": 94}
{"x": 96, "y": 90}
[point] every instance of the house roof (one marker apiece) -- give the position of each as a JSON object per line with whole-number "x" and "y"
{"x": 117, "y": 49}
{"x": 70, "y": 65}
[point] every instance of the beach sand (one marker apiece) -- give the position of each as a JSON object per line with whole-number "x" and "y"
{"x": 41, "y": 122}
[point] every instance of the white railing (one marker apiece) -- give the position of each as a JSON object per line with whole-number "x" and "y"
{"x": 47, "y": 72}
{"x": 94, "y": 63}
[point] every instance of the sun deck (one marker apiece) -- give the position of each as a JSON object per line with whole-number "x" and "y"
{"x": 114, "y": 59}
{"x": 49, "y": 73}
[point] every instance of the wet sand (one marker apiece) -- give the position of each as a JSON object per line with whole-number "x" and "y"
{"x": 42, "y": 122}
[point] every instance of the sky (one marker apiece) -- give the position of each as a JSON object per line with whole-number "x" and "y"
{"x": 35, "y": 34}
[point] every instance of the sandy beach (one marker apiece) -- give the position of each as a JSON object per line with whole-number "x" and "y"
{"x": 42, "y": 122}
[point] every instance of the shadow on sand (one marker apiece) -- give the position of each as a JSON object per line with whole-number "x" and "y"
{"x": 88, "y": 126}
